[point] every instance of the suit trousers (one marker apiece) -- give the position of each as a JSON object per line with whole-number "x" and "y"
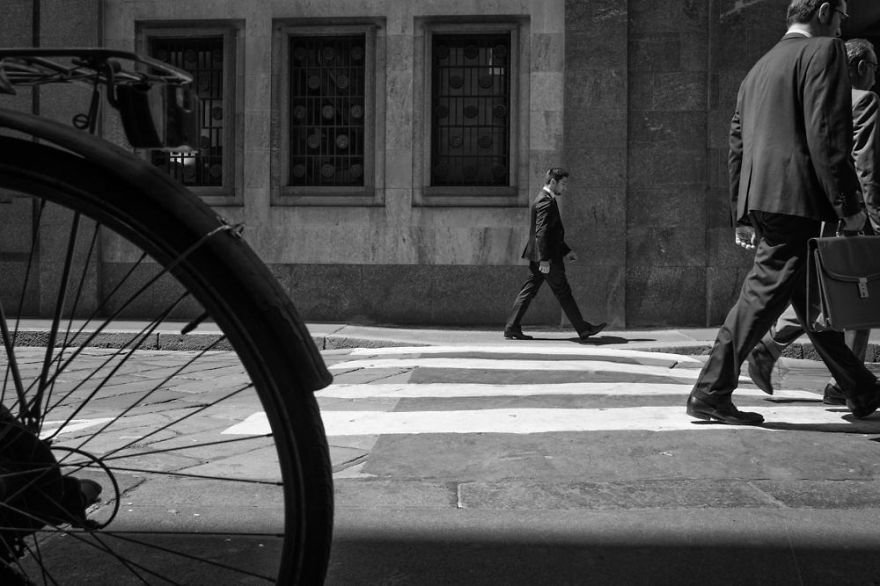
{"x": 778, "y": 277}
{"x": 787, "y": 329}
{"x": 558, "y": 284}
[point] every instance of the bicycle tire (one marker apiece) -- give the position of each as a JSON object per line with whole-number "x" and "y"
{"x": 170, "y": 224}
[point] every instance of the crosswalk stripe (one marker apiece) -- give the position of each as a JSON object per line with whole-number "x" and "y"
{"x": 592, "y": 366}
{"x": 568, "y": 350}
{"x": 51, "y": 427}
{"x": 529, "y": 421}
{"x": 451, "y": 390}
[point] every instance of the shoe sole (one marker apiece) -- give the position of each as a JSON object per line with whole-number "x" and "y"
{"x": 714, "y": 416}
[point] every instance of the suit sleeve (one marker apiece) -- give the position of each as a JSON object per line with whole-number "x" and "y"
{"x": 827, "y": 103}
{"x": 542, "y": 229}
{"x": 866, "y": 151}
{"x": 734, "y": 161}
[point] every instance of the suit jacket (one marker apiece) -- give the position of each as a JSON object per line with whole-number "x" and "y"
{"x": 546, "y": 233}
{"x": 791, "y": 133}
{"x": 866, "y": 149}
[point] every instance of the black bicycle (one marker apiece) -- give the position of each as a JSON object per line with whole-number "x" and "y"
{"x": 131, "y": 464}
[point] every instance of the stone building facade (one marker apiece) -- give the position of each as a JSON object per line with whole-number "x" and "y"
{"x": 633, "y": 96}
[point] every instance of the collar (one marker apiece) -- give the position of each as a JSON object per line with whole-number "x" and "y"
{"x": 798, "y": 29}
{"x": 549, "y": 192}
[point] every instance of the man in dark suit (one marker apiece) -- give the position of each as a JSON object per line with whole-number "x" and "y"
{"x": 790, "y": 170}
{"x": 862, "y": 60}
{"x": 546, "y": 252}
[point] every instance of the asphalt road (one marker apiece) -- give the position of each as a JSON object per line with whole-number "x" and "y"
{"x": 522, "y": 463}
{"x": 536, "y": 463}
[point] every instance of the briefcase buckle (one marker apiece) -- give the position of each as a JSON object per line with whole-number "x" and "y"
{"x": 863, "y": 287}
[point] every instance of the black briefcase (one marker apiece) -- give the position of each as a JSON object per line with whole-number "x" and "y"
{"x": 843, "y": 283}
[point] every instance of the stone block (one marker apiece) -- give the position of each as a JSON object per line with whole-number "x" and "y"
{"x": 596, "y": 16}
{"x": 600, "y": 291}
{"x": 666, "y": 208}
{"x": 665, "y": 247}
{"x": 600, "y": 168}
{"x": 547, "y": 53}
{"x": 605, "y": 246}
{"x": 609, "y": 125}
{"x": 16, "y": 24}
{"x": 655, "y": 52}
{"x": 79, "y": 27}
{"x": 595, "y": 51}
{"x": 654, "y": 166}
{"x": 547, "y": 130}
{"x": 722, "y": 290}
{"x": 680, "y": 91}
{"x": 723, "y": 252}
{"x": 589, "y": 208}
{"x": 684, "y": 16}
{"x": 547, "y": 93}
{"x": 665, "y": 296}
{"x": 594, "y": 89}
{"x": 398, "y": 293}
{"x": 695, "y": 51}
{"x": 684, "y": 130}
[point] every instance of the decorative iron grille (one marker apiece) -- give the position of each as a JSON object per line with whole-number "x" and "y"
{"x": 327, "y": 110}
{"x": 203, "y": 58}
{"x": 470, "y": 119}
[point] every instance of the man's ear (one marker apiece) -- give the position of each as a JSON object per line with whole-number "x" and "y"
{"x": 825, "y": 12}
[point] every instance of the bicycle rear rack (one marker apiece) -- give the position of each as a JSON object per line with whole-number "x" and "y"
{"x": 156, "y": 102}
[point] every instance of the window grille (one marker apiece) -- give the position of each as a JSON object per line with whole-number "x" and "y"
{"x": 470, "y": 119}
{"x": 203, "y": 59}
{"x": 327, "y": 110}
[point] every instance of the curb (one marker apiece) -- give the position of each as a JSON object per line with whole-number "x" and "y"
{"x": 169, "y": 341}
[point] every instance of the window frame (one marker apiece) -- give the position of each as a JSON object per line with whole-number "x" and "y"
{"x": 230, "y": 191}
{"x": 282, "y": 192}
{"x": 513, "y": 194}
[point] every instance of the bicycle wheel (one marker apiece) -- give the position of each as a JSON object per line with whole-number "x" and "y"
{"x": 212, "y": 463}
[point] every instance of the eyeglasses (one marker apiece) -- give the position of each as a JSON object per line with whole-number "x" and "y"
{"x": 843, "y": 15}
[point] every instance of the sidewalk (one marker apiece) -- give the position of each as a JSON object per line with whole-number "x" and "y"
{"x": 331, "y": 336}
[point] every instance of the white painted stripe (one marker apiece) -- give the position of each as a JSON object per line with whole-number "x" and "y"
{"x": 453, "y": 390}
{"x": 533, "y": 365}
{"x": 50, "y": 427}
{"x": 569, "y": 350}
{"x": 526, "y": 421}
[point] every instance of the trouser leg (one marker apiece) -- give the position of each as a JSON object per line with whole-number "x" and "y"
{"x": 558, "y": 282}
{"x": 766, "y": 291}
{"x": 783, "y": 332}
{"x": 848, "y": 370}
{"x": 524, "y": 298}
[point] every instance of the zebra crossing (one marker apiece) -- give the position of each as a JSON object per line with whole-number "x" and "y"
{"x": 530, "y": 389}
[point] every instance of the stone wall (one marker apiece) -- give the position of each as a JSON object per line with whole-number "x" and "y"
{"x": 634, "y": 96}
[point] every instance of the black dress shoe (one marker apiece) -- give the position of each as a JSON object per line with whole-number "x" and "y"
{"x": 833, "y": 395}
{"x": 761, "y": 367}
{"x": 864, "y": 404}
{"x": 725, "y": 412}
{"x": 591, "y": 330}
{"x": 516, "y": 335}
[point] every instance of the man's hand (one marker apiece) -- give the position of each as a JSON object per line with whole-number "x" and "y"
{"x": 544, "y": 266}
{"x": 855, "y": 222}
{"x": 571, "y": 256}
{"x": 745, "y": 237}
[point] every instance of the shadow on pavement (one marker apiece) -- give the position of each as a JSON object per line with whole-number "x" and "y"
{"x": 416, "y": 559}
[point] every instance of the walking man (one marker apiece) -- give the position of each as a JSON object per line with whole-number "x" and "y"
{"x": 790, "y": 169}
{"x": 862, "y": 59}
{"x": 547, "y": 252}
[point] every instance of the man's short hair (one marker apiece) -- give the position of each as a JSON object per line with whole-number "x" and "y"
{"x": 803, "y": 11}
{"x": 857, "y": 50}
{"x": 556, "y": 173}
